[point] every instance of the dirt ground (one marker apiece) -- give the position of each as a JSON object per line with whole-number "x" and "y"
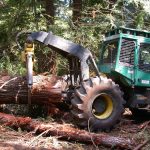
{"x": 130, "y": 127}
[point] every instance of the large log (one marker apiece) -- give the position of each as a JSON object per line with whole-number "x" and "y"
{"x": 46, "y": 89}
{"x": 64, "y": 131}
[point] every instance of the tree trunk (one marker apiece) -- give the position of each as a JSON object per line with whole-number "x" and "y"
{"x": 47, "y": 61}
{"x": 50, "y": 11}
{"x": 64, "y": 131}
{"x": 45, "y": 90}
{"x": 77, "y": 7}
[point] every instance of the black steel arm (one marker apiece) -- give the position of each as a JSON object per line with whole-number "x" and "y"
{"x": 67, "y": 49}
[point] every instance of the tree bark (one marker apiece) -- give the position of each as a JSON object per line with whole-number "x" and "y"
{"x": 77, "y": 8}
{"x": 45, "y": 90}
{"x": 47, "y": 61}
{"x": 64, "y": 131}
{"x": 50, "y": 11}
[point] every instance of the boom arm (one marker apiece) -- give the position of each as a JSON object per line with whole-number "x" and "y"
{"x": 67, "y": 49}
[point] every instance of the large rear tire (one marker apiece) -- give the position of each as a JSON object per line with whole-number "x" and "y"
{"x": 97, "y": 104}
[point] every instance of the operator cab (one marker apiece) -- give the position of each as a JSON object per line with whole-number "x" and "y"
{"x": 125, "y": 56}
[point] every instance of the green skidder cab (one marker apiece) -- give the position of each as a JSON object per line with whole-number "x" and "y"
{"x": 125, "y": 58}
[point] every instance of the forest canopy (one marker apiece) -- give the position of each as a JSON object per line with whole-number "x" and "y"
{"x": 81, "y": 21}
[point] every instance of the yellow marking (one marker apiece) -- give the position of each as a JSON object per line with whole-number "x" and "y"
{"x": 29, "y": 47}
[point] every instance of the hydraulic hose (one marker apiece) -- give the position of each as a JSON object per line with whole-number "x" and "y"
{"x": 18, "y": 36}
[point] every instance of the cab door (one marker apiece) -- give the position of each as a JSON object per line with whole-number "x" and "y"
{"x": 143, "y": 67}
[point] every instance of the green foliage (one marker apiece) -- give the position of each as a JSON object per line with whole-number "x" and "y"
{"x": 12, "y": 68}
{"x": 98, "y": 16}
{"x": 139, "y": 20}
{"x": 135, "y": 15}
{"x": 15, "y": 16}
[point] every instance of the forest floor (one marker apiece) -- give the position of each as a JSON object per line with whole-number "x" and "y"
{"x": 137, "y": 129}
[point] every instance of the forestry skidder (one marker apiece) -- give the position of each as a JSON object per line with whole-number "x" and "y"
{"x": 98, "y": 102}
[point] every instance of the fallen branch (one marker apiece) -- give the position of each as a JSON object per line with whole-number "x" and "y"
{"x": 140, "y": 146}
{"x": 144, "y": 125}
{"x": 64, "y": 131}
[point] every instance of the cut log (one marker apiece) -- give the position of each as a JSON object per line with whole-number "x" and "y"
{"x": 46, "y": 89}
{"x": 64, "y": 131}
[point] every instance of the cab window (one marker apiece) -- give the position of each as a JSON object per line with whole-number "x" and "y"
{"x": 110, "y": 52}
{"x": 144, "y": 57}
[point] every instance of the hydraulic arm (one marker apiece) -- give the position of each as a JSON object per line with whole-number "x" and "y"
{"x": 77, "y": 55}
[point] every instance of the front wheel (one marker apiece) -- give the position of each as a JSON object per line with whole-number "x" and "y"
{"x": 98, "y": 104}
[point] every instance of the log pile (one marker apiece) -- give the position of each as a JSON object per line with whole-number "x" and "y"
{"x": 46, "y": 90}
{"x": 64, "y": 131}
